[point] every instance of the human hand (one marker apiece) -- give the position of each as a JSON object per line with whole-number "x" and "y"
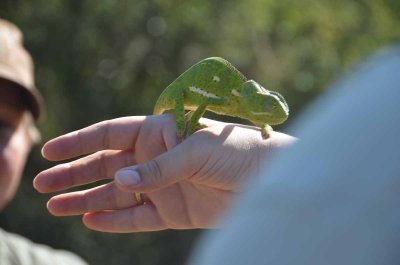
{"x": 184, "y": 185}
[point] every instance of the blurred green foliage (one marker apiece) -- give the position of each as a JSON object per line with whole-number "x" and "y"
{"x": 98, "y": 60}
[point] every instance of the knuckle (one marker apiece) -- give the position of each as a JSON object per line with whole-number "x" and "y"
{"x": 105, "y": 125}
{"x": 103, "y": 170}
{"x": 153, "y": 171}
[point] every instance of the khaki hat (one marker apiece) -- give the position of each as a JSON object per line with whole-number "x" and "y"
{"x": 16, "y": 66}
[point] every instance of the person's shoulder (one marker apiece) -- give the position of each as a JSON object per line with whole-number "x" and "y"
{"x": 16, "y": 249}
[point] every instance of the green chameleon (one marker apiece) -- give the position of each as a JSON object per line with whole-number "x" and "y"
{"x": 215, "y": 85}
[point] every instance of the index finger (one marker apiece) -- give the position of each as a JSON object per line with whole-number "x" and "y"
{"x": 116, "y": 134}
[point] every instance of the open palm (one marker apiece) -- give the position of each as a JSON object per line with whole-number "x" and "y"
{"x": 185, "y": 185}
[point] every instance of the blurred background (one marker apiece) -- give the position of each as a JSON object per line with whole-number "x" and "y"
{"x": 98, "y": 60}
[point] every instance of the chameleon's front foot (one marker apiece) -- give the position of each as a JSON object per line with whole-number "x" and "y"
{"x": 266, "y": 131}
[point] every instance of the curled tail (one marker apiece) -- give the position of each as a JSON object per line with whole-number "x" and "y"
{"x": 159, "y": 108}
{"x": 164, "y": 102}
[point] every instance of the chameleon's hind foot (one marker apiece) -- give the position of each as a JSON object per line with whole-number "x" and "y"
{"x": 180, "y": 129}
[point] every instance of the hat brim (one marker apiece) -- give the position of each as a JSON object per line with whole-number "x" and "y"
{"x": 31, "y": 98}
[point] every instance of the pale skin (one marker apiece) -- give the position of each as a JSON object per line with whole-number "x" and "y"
{"x": 14, "y": 142}
{"x": 186, "y": 185}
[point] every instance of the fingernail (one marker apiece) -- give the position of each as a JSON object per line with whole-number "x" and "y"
{"x": 127, "y": 177}
{"x": 42, "y": 152}
{"x": 34, "y": 184}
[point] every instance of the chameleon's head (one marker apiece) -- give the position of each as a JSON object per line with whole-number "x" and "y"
{"x": 264, "y": 106}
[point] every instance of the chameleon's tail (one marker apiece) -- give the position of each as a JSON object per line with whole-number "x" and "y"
{"x": 164, "y": 103}
{"x": 166, "y": 100}
{"x": 158, "y": 109}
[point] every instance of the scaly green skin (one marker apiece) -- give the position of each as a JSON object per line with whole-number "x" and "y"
{"x": 213, "y": 84}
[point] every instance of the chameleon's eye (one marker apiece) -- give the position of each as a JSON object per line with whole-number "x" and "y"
{"x": 267, "y": 106}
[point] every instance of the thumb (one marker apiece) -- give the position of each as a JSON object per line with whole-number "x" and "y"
{"x": 164, "y": 170}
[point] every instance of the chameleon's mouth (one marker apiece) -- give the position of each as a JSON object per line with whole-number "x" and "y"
{"x": 261, "y": 113}
{"x": 273, "y": 118}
